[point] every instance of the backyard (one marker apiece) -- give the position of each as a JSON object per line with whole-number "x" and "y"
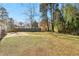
{"x": 39, "y": 43}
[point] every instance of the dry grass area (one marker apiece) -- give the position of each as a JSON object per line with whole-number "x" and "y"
{"x": 39, "y": 44}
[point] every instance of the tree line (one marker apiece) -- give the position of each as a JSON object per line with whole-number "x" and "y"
{"x": 64, "y": 17}
{"x": 56, "y": 17}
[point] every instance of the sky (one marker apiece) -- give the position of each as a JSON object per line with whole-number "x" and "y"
{"x": 16, "y": 11}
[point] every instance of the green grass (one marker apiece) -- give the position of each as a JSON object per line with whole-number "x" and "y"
{"x": 40, "y": 43}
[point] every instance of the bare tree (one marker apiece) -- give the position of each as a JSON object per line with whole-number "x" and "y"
{"x": 30, "y": 12}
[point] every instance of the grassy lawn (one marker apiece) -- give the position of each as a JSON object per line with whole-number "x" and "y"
{"x": 40, "y": 43}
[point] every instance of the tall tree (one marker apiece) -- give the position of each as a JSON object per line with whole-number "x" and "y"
{"x": 51, "y": 9}
{"x": 43, "y": 10}
{"x": 58, "y": 20}
{"x": 69, "y": 16}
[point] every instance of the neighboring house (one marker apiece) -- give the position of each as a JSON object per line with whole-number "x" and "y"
{"x": 2, "y": 28}
{"x": 43, "y": 26}
{"x": 5, "y": 22}
{"x": 2, "y": 25}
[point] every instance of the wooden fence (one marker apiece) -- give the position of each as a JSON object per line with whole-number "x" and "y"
{"x": 27, "y": 30}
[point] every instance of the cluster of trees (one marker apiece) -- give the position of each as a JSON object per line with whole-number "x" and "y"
{"x": 56, "y": 17}
{"x": 64, "y": 17}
